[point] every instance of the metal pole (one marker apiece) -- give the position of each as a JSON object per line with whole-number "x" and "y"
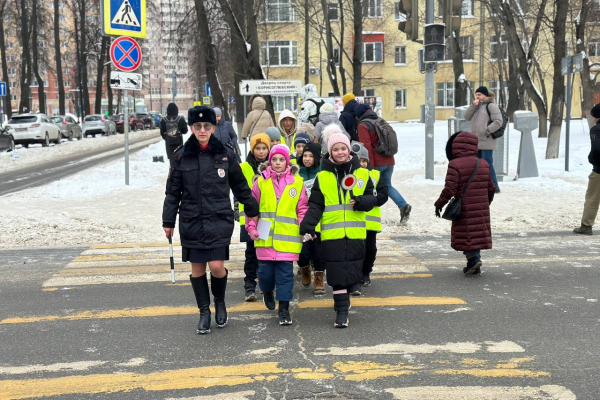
{"x": 126, "y": 131}
{"x": 246, "y": 139}
{"x": 429, "y": 104}
{"x": 568, "y": 136}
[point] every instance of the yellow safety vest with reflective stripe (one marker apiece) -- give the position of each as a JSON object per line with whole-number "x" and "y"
{"x": 374, "y": 216}
{"x": 339, "y": 219}
{"x": 285, "y": 230}
{"x": 249, "y": 175}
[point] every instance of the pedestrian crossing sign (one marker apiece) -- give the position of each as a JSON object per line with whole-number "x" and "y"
{"x": 124, "y": 18}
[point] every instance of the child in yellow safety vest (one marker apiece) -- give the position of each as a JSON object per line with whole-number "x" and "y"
{"x": 282, "y": 200}
{"x": 339, "y": 200}
{"x": 373, "y": 221}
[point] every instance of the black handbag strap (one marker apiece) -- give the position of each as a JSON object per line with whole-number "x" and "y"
{"x": 471, "y": 178}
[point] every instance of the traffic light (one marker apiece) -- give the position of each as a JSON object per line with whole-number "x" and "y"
{"x": 452, "y": 12}
{"x": 434, "y": 43}
{"x": 410, "y": 26}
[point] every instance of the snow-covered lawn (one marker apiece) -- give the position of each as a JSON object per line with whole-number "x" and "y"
{"x": 95, "y": 206}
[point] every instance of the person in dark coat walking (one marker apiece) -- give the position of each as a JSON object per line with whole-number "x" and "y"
{"x": 224, "y": 130}
{"x": 201, "y": 175}
{"x": 592, "y": 195}
{"x": 341, "y": 209}
{"x": 472, "y": 232}
{"x": 347, "y": 117}
{"x": 172, "y": 129}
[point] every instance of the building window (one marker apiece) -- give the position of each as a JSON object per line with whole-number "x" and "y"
{"x": 13, "y": 85}
{"x": 67, "y": 84}
{"x": 67, "y": 71}
{"x": 63, "y": 18}
{"x": 280, "y": 11}
{"x": 10, "y": 58}
{"x": 278, "y": 53}
{"x": 367, "y": 93}
{"x": 494, "y": 86}
{"x": 12, "y": 71}
{"x": 9, "y": 45}
{"x": 400, "y": 55}
{"x": 445, "y": 94}
{"x": 336, "y": 56}
{"x": 155, "y": 76}
{"x": 498, "y": 48}
{"x": 467, "y": 8}
{"x": 467, "y": 48}
{"x": 401, "y": 98}
{"x": 333, "y": 11}
{"x": 373, "y": 8}
{"x": 594, "y": 47}
{"x": 13, "y": 97}
{"x": 281, "y": 103}
{"x": 155, "y": 91}
{"x": 373, "y": 52}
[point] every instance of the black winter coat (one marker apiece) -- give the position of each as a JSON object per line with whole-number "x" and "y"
{"x": 343, "y": 257}
{"x": 254, "y": 163}
{"x": 198, "y": 186}
{"x": 349, "y": 121}
{"x": 594, "y": 156}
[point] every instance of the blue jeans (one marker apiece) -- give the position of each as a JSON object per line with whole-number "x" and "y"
{"x": 278, "y": 274}
{"x": 386, "y": 175}
{"x": 470, "y": 254}
{"x": 488, "y": 155}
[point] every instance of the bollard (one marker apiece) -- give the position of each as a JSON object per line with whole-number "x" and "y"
{"x": 422, "y": 120}
{"x": 526, "y": 122}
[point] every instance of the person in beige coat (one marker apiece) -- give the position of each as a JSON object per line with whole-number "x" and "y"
{"x": 258, "y": 119}
{"x": 484, "y": 124}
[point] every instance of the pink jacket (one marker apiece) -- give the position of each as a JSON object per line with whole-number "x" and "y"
{"x": 280, "y": 180}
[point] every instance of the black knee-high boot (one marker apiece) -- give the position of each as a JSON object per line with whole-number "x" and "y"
{"x": 341, "y": 303}
{"x": 218, "y": 286}
{"x": 200, "y": 286}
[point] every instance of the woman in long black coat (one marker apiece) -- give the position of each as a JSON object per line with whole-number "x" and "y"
{"x": 202, "y": 173}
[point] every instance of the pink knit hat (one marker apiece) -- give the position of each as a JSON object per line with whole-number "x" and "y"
{"x": 280, "y": 149}
{"x": 335, "y": 139}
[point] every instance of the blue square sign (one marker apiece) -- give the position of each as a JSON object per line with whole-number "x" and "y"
{"x": 124, "y": 18}
{"x": 2, "y": 88}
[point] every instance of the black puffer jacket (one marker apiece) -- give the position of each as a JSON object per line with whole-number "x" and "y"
{"x": 348, "y": 119}
{"x": 343, "y": 257}
{"x": 198, "y": 186}
{"x": 594, "y": 156}
{"x": 254, "y": 163}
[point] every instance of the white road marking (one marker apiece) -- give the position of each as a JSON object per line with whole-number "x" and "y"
{"x": 546, "y": 392}
{"x": 403, "y": 348}
{"x": 72, "y": 366}
{"x": 223, "y": 396}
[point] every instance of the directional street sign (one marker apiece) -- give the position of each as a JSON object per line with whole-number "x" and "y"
{"x": 269, "y": 88}
{"x": 207, "y": 89}
{"x": 126, "y": 54}
{"x": 124, "y": 18}
{"x": 2, "y": 88}
{"x": 125, "y": 80}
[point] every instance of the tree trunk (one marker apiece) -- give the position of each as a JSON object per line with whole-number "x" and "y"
{"x": 587, "y": 83}
{"x": 210, "y": 51}
{"x": 460, "y": 82}
{"x": 341, "y": 47}
{"x": 7, "y": 100}
{"x": 513, "y": 88}
{"x": 558, "y": 86}
{"x": 83, "y": 49}
{"x": 331, "y": 68}
{"x": 306, "y": 44}
{"x": 109, "y": 92}
{"x": 58, "y": 56}
{"x": 35, "y": 25}
{"x": 358, "y": 44}
{"x": 100, "y": 76}
{"x": 25, "y": 79}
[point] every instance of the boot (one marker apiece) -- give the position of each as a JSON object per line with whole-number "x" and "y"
{"x": 269, "y": 300}
{"x": 356, "y": 289}
{"x": 200, "y": 286}
{"x": 319, "y": 284}
{"x": 218, "y": 286}
{"x": 341, "y": 303}
{"x": 405, "y": 213}
{"x": 583, "y": 230}
{"x": 284, "y": 313}
{"x": 305, "y": 274}
{"x": 473, "y": 265}
{"x": 366, "y": 280}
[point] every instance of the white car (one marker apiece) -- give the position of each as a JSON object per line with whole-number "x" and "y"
{"x": 98, "y": 125}
{"x": 33, "y": 128}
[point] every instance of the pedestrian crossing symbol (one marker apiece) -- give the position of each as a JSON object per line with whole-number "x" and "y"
{"x": 124, "y": 18}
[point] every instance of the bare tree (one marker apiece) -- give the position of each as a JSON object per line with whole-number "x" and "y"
{"x": 100, "y": 75}
{"x": 109, "y": 92}
{"x": 7, "y": 100}
{"x": 358, "y": 45}
{"x": 25, "y": 77}
{"x": 588, "y": 83}
{"x": 58, "y": 58}
{"x": 460, "y": 84}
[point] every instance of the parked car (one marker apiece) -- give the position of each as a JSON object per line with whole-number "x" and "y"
{"x": 135, "y": 123}
{"x": 7, "y": 141}
{"x": 33, "y": 128}
{"x": 98, "y": 125}
{"x": 69, "y": 129}
{"x": 118, "y": 120}
{"x": 148, "y": 120}
{"x": 156, "y": 117}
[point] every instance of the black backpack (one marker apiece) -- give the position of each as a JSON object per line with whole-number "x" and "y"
{"x": 388, "y": 140}
{"x": 172, "y": 133}
{"x": 315, "y": 118}
{"x": 500, "y": 132}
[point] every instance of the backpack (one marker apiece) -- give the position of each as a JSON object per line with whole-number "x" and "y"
{"x": 388, "y": 141}
{"x": 500, "y": 132}
{"x": 172, "y": 133}
{"x": 315, "y": 118}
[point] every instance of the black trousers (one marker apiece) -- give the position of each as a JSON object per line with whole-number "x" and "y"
{"x": 250, "y": 266}
{"x": 370, "y": 253}
{"x": 312, "y": 250}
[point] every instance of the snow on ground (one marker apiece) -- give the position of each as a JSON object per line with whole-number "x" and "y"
{"x": 95, "y": 206}
{"x": 35, "y": 154}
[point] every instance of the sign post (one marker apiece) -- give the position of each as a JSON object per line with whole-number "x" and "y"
{"x": 570, "y": 65}
{"x": 429, "y": 103}
{"x": 123, "y": 18}
{"x": 126, "y": 133}
{"x": 3, "y": 95}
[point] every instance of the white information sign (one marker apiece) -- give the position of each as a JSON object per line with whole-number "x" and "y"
{"x": 125, "y": 80}
{"x": 270, "y": 88}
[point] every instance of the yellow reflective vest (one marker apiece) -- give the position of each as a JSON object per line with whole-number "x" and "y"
{"x": 249, "y": 175}
{"x": 284, "y": 235}
{"x": 374, "y": 216}
{"x": 339, "y": 219}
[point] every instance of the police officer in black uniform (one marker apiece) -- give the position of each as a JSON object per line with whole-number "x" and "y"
{"x": 202, "y": 172}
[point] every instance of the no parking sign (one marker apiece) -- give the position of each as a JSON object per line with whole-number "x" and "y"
{"x": 126, "y": 54}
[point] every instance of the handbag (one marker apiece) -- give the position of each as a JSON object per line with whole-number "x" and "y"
{"x": 454, "y": 208}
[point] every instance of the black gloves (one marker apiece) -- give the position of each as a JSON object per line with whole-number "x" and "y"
{"x": 438, "y": 212}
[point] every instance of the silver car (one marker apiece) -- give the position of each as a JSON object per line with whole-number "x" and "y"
{"x": 33, "y": 128}
{"x": 69, "y": 129}
{"x": 98, "y": 125}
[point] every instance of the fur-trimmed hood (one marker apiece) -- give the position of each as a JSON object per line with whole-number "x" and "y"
{"x": 491, "y": 98}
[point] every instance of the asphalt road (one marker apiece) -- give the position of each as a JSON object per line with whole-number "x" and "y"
{"x": 104, "y": 322}
{"x": 44, "y": 173}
